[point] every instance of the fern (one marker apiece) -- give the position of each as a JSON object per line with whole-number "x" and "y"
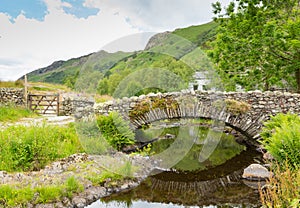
{"x": 281, "y": 137}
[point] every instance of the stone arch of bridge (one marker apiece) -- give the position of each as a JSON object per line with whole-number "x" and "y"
{"x": 244, "y": 123}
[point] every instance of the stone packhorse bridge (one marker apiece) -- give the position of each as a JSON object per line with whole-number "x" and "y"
{"x": 243, "y": 111}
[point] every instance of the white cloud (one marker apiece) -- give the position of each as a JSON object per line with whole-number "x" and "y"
{"x": 34, "y": 44}
{"x": 59, "y": 37}
{"x": 160, "y": 15}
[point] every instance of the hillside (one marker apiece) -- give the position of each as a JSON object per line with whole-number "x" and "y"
{"x": 59, "y": 71}
{"x": 179, "y": 51}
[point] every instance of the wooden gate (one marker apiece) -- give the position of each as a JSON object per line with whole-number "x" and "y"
{"x": 44, "y": 104}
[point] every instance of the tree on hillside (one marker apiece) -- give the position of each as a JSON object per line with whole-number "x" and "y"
{"x": 258, "y": 43}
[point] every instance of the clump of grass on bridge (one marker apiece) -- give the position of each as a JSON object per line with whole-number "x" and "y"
{"x": 32, "y": 148}
{"x": 13, "y": 113}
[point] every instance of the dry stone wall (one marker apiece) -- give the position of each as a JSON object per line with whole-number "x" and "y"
{"x": 203, "y": 104}
{"x": 78, "y": 106}
{"x": 269, "y": 103}
{"x": 12, "y": 95}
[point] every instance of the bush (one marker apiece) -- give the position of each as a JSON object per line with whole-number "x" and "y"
{"x": 31, "y": 148}
{"x": 91, "y": 139}
{"x": 281, "y": 138}
{"x": 116, "y": 130}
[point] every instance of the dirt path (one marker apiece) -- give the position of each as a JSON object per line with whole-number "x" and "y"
{"x": 49, "y": 119}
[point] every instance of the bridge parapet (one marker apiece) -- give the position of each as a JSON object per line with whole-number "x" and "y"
{"x": 244, "y": 111}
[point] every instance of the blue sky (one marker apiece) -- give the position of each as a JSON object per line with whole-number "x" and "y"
{"x": 37, "y": 9}
{"x": 35, "y": 33}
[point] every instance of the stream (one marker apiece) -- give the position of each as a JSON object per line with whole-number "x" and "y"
{"x": 214, "y": 183}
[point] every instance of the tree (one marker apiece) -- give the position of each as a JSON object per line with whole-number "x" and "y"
{"x": 258, "y": 43}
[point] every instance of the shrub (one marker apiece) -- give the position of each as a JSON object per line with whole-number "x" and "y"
{"x": 31, "y": 148}
{"x": 115, "y": 130}
{"x": 91, "y": 139}
{"x": 281, "y": 137}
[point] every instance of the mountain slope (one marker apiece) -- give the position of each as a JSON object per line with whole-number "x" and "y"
{"x": 59, "y": 71}
{"x": 179, "y": 51}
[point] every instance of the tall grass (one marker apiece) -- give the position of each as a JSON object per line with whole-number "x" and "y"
{"x": 31, "y": 148}
{"x": 91, "y": 138}
{"x": 283, "y": 190}
{"x": 13, "y": 113}
{"x": 11, "y": 84}
{"x": 19, "y": 197}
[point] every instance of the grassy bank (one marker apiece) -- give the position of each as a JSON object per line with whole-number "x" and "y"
{"x": 31, "y": 148}
{"x": 12, "y": 196}
{"x": 12, "y": 113}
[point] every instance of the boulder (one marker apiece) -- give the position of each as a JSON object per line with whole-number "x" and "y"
{"x": 256, "y": 172}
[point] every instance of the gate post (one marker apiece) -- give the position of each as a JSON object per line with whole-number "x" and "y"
{"x": 25, "y": 91}
{"x": 29, "y": 102}
{"x": 57, "y": 97}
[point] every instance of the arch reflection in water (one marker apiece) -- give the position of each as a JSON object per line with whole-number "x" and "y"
{"x": 141, "y": 204}
{"x": 215, "y": 183}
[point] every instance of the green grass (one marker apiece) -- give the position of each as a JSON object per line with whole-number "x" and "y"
{"x": 100, "y": 179}
{"x": 42, "y": 87}
{"x": 31, "y": 148}
{"x": 123, "y": 172}
{"x": 11, "y": 113}
{"x": 12, "y": 196}
{"x": 198, "y": 34}
{"x": 91, "y": 138}
{"x": 11, "y": 84}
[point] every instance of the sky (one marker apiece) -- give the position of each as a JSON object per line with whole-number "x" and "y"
{"x": 35, "y": 33}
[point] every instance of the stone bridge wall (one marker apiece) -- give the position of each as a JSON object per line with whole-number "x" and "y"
{"x": 262, "y": 105}
{"x": 269, "y": 103}
{"x": 12, "y": 95}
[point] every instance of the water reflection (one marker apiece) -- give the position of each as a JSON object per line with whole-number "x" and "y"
{"x": 216, "y": 182}
{"x": 140, "y": 204}
{"x": 221, "y": 186}
{"x": 143, "y": 204}
{"x": 226, "y": 147}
